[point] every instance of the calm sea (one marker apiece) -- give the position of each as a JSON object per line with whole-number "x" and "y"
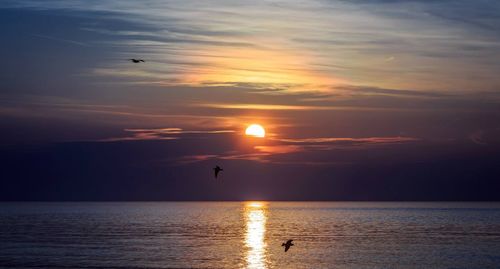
{"x": 249, "y": 235}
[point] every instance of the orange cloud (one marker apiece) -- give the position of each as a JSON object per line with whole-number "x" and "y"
{"x": 279, "y": 149}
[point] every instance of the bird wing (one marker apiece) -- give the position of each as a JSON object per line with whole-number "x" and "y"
{"x": 289, "y": 241}
{"x": 216, "y": 172}
{"x": 287, "y": 247}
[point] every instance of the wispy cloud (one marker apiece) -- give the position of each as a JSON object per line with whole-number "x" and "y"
{"x": 291, "y": 151}
{"x": 423, "y": 45}
{"x": 161, "y": 134}
{"x": 332, "y": 106}
{"x": 363, "y": 140}
{"x": 357, "y": 90}
{"x": 279, "y": 149}
{"x": 263, "y": 107}
{"x": 349, "y": 68}
{"x": 169, "y": 131}
{"x": 138, "y": 137}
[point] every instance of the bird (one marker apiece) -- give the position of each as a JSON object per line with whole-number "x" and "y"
{"x": 217, "y": 169}
{"x": 287, "y": 245}
{"x": 136, "y": 60}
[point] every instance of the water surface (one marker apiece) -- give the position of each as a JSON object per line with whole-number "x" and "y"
{"x": 249, "y": 235}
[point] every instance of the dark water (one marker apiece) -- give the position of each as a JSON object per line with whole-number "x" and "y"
{"x": 249, "y": 235}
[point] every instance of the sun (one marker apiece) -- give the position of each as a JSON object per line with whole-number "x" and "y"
{"x": 255, "y": 130}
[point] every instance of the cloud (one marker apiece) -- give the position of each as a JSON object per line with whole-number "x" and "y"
{"x": 137, "y": 137}
{"x": 161, "y": 134}
{"x": 356, "y": 90}
{"x": 279, "y": 149}
{"x": 194, "y": 158}
{"x": 169, "y": 131}
{"x": 214, "y": 68}
{"x": 263, "y": 107}
{"x": 194, "y": 146}
{"x": 287, "y": 150}
{"x": 282, "y": 152}
{"x": 297, "y": 145}
{"x": 220, "y": 43}
{"x": 332, "y": 106}
{"x": 349, "y": 140}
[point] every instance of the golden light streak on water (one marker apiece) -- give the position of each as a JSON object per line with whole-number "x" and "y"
{"x": 255, "y": 214}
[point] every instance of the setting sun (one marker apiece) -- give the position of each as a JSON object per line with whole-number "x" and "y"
{"x": 255, "y": 130}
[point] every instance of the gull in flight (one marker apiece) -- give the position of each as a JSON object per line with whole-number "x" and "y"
{"x": 136, "y": 60}
{"x": 287, "y": 245}
{"x": 217, "y": 169}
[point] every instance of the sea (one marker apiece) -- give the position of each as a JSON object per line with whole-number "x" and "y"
{"x": 134, "y": 235}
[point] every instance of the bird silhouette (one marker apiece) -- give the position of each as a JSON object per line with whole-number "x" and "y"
{"x": 287, "y": 245}
{"x": 136, "y": 60}
{"x": 217, "y": 169}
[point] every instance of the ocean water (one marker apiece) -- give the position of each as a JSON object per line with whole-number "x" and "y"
{"x": 249, "y": 235}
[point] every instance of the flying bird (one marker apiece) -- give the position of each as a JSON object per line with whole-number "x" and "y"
{"x": 217, "y": 169}
{"x": 287, "y": 245}
{"x": 136, "y": 60}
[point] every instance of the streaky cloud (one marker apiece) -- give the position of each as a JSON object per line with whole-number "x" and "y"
{"x": 161, "y": 134}
{"x": 289, "y": 107}
{"x": 369, "y": 140}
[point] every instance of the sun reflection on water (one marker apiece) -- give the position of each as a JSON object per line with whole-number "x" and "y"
{"x": 255, "y": 214}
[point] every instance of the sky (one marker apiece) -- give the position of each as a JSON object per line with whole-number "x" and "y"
{"x": 360, "y": 99}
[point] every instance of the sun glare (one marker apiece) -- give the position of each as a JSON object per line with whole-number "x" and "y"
{"x": 255, "y": 214}
{"x": 255, "y": 130}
